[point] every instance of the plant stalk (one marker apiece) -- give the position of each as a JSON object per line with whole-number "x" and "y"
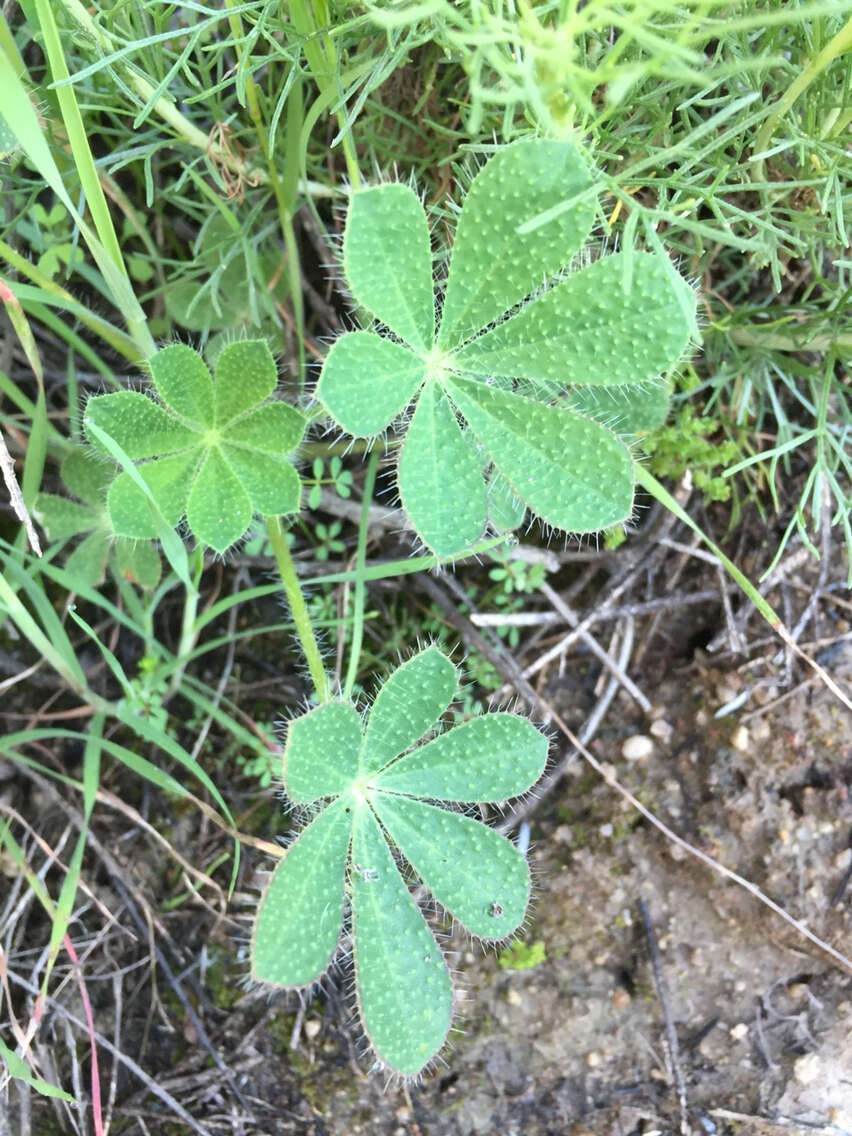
{"x": 298, "y": 607}
{"x": 360, "y": 584}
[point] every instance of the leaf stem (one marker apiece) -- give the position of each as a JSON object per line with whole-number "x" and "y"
{"x": 360, "y": 583}
{"x": 298, "y": 607}
{"x": 188, "y": 630}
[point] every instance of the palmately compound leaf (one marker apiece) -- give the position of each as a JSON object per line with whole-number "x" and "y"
{"x": 218, "y": 450}
{"x": 518, "y": 334}
{"x": 381, "y": 806}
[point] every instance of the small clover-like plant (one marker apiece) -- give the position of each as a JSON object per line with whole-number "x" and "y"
{"x": 87, "y": 477}
{"x": 515, "y": 332}
{"x": 379, "y": 799}
{"x": 215, "y": 449}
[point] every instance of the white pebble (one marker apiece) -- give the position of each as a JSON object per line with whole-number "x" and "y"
{"x": 637, "y": 748}
{"x": 661, "y": 729}
{"x": 740, "y": 739}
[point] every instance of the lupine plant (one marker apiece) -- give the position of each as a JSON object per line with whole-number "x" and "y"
{"x": 528, "y": 375}
{"x": 214, "y": 449}
{"x": 375, "y": 803}
{"x": 490, "y": 378}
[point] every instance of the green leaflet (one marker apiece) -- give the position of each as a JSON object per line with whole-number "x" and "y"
{"x": 408, "y": 704}
{"x": 388, "y": 262}
{"x": 87, "y": 477}
{"x": 395, "y": 374}
{"x": 623, "y": 320}
{"x": 590, "y": 329}
{"x": 218, "y": 509}
{"x": 473, "y": 871}
{"x": 634, "y": 408}
{"x": 489, "y": 758}
{"x": 321, "y": 756}
{"x": 169, "y": 480}
{"x": 440, "y": 477}
{"x": 218, "y": 449}
{"x": 505, "y": 509}
{"x": 183, "y": 382}
{"x": 402, "y": 982}
{"x": 493, "y": 265}
{"x": 245, "y": 376}
{"x": 141, "y": 427}
{"x": 572, "y": 472}
{"x": 298, "y": 923}
{"x": 403, "y": 987}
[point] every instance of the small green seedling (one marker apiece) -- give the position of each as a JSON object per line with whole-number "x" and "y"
{"x": 88, "y": 478}
{"x": 522, "y": 956}
{"x": 515, "y": 335}
{"x": 214, "y": 449}
{"x": 377, "y": 806}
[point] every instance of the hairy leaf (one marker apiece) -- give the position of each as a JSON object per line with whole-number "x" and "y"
{"x": 495, "y": 261}
{"x": 473, "y": 871}
{"x": 298, "y": 923}
{"x": 402, "y": 982}
{"x": 220, "y": 452}
{"x": 489, "y": 758}
{"x": 366, "y": 381}
{"x": 321, "y": 755}
{"x": 440, "y": 478}
{"x": 387, "y": 261}
{"x": 572, "y": 472}
{"x": 591, "y": 328}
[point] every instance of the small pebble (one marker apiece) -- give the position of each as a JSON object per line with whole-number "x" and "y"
{"x": 620, "y": 998}
{"x": 661, "y": 729}
{"x": 740, "y": 739}
{"x": 514, "y": 998}
{"x": 739, "y": 1031}
{"x": 806, "y": 1069}
{"x": 593, "y": 1059}
{"x": 637, "y": 748}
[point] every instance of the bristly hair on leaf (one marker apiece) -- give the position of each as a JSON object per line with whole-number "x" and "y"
{"x": 386, "y": 800}
{"x": 491, "y": 366}
{"x": 213, "y": 449}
